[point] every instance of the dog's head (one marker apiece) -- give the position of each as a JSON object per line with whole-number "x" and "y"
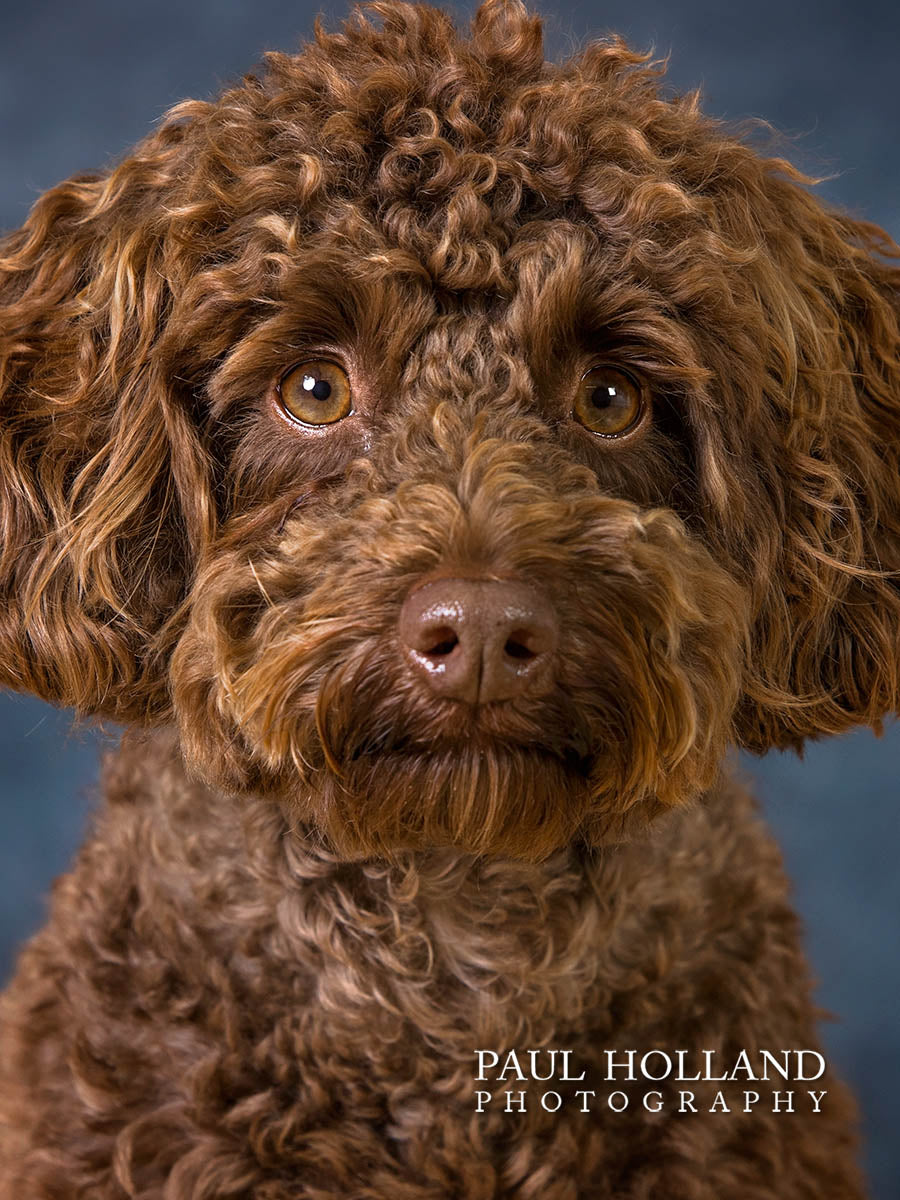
{"x": 463, "y": 449}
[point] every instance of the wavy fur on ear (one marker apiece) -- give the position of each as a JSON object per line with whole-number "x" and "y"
{"x": 826, "y": 641}
{"x": 104, "y": 500}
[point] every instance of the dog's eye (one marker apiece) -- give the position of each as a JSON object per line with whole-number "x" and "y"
{"x": 608, "y": 402}
{"x": 316, "y": 392}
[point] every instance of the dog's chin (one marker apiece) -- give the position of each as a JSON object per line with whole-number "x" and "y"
{"x": 514, "y": 801}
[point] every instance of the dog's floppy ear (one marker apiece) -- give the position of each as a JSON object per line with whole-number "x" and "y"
{"x": 826, "y": 651}
{"x": 103, "y": 500}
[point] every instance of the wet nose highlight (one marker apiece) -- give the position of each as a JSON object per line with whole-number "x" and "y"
{"x": 479, "y": 640}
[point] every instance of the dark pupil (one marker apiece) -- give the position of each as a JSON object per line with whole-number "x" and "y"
{"x": 605, "y": 397}
{"x": 319, "y": 390}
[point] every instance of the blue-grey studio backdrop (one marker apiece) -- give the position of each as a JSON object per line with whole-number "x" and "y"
{"x": 79, "y": 82}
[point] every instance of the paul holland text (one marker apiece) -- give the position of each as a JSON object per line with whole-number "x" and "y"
{"x": 685, "y": 1081}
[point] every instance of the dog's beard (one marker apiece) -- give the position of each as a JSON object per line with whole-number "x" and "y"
{"x": 350, "y": 743}
{"x": 518, "y": 801}
{"x": 396, "y": 771}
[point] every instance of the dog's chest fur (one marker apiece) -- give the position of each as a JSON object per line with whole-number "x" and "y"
{"x": 315, "y": 1000}
{"x": 507, "y": 952}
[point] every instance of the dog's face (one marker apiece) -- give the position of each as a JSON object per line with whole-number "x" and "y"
{"x": 464, "y": 450}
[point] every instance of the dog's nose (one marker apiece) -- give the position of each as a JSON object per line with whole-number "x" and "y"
{"x": 479, "y": 640}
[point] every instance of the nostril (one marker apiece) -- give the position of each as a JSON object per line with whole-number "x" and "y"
{"x": 438, "y": 643}
{"x": 517, "y": 646}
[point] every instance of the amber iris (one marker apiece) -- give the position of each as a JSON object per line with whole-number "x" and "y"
{"x": 316, "y": 392}
{"x": 608, "y": 402}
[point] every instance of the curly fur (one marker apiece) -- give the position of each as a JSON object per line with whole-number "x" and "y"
{"x": 315, "y": 887}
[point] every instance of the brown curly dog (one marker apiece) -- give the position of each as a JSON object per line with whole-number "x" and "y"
{"x": 440, "y": 458}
